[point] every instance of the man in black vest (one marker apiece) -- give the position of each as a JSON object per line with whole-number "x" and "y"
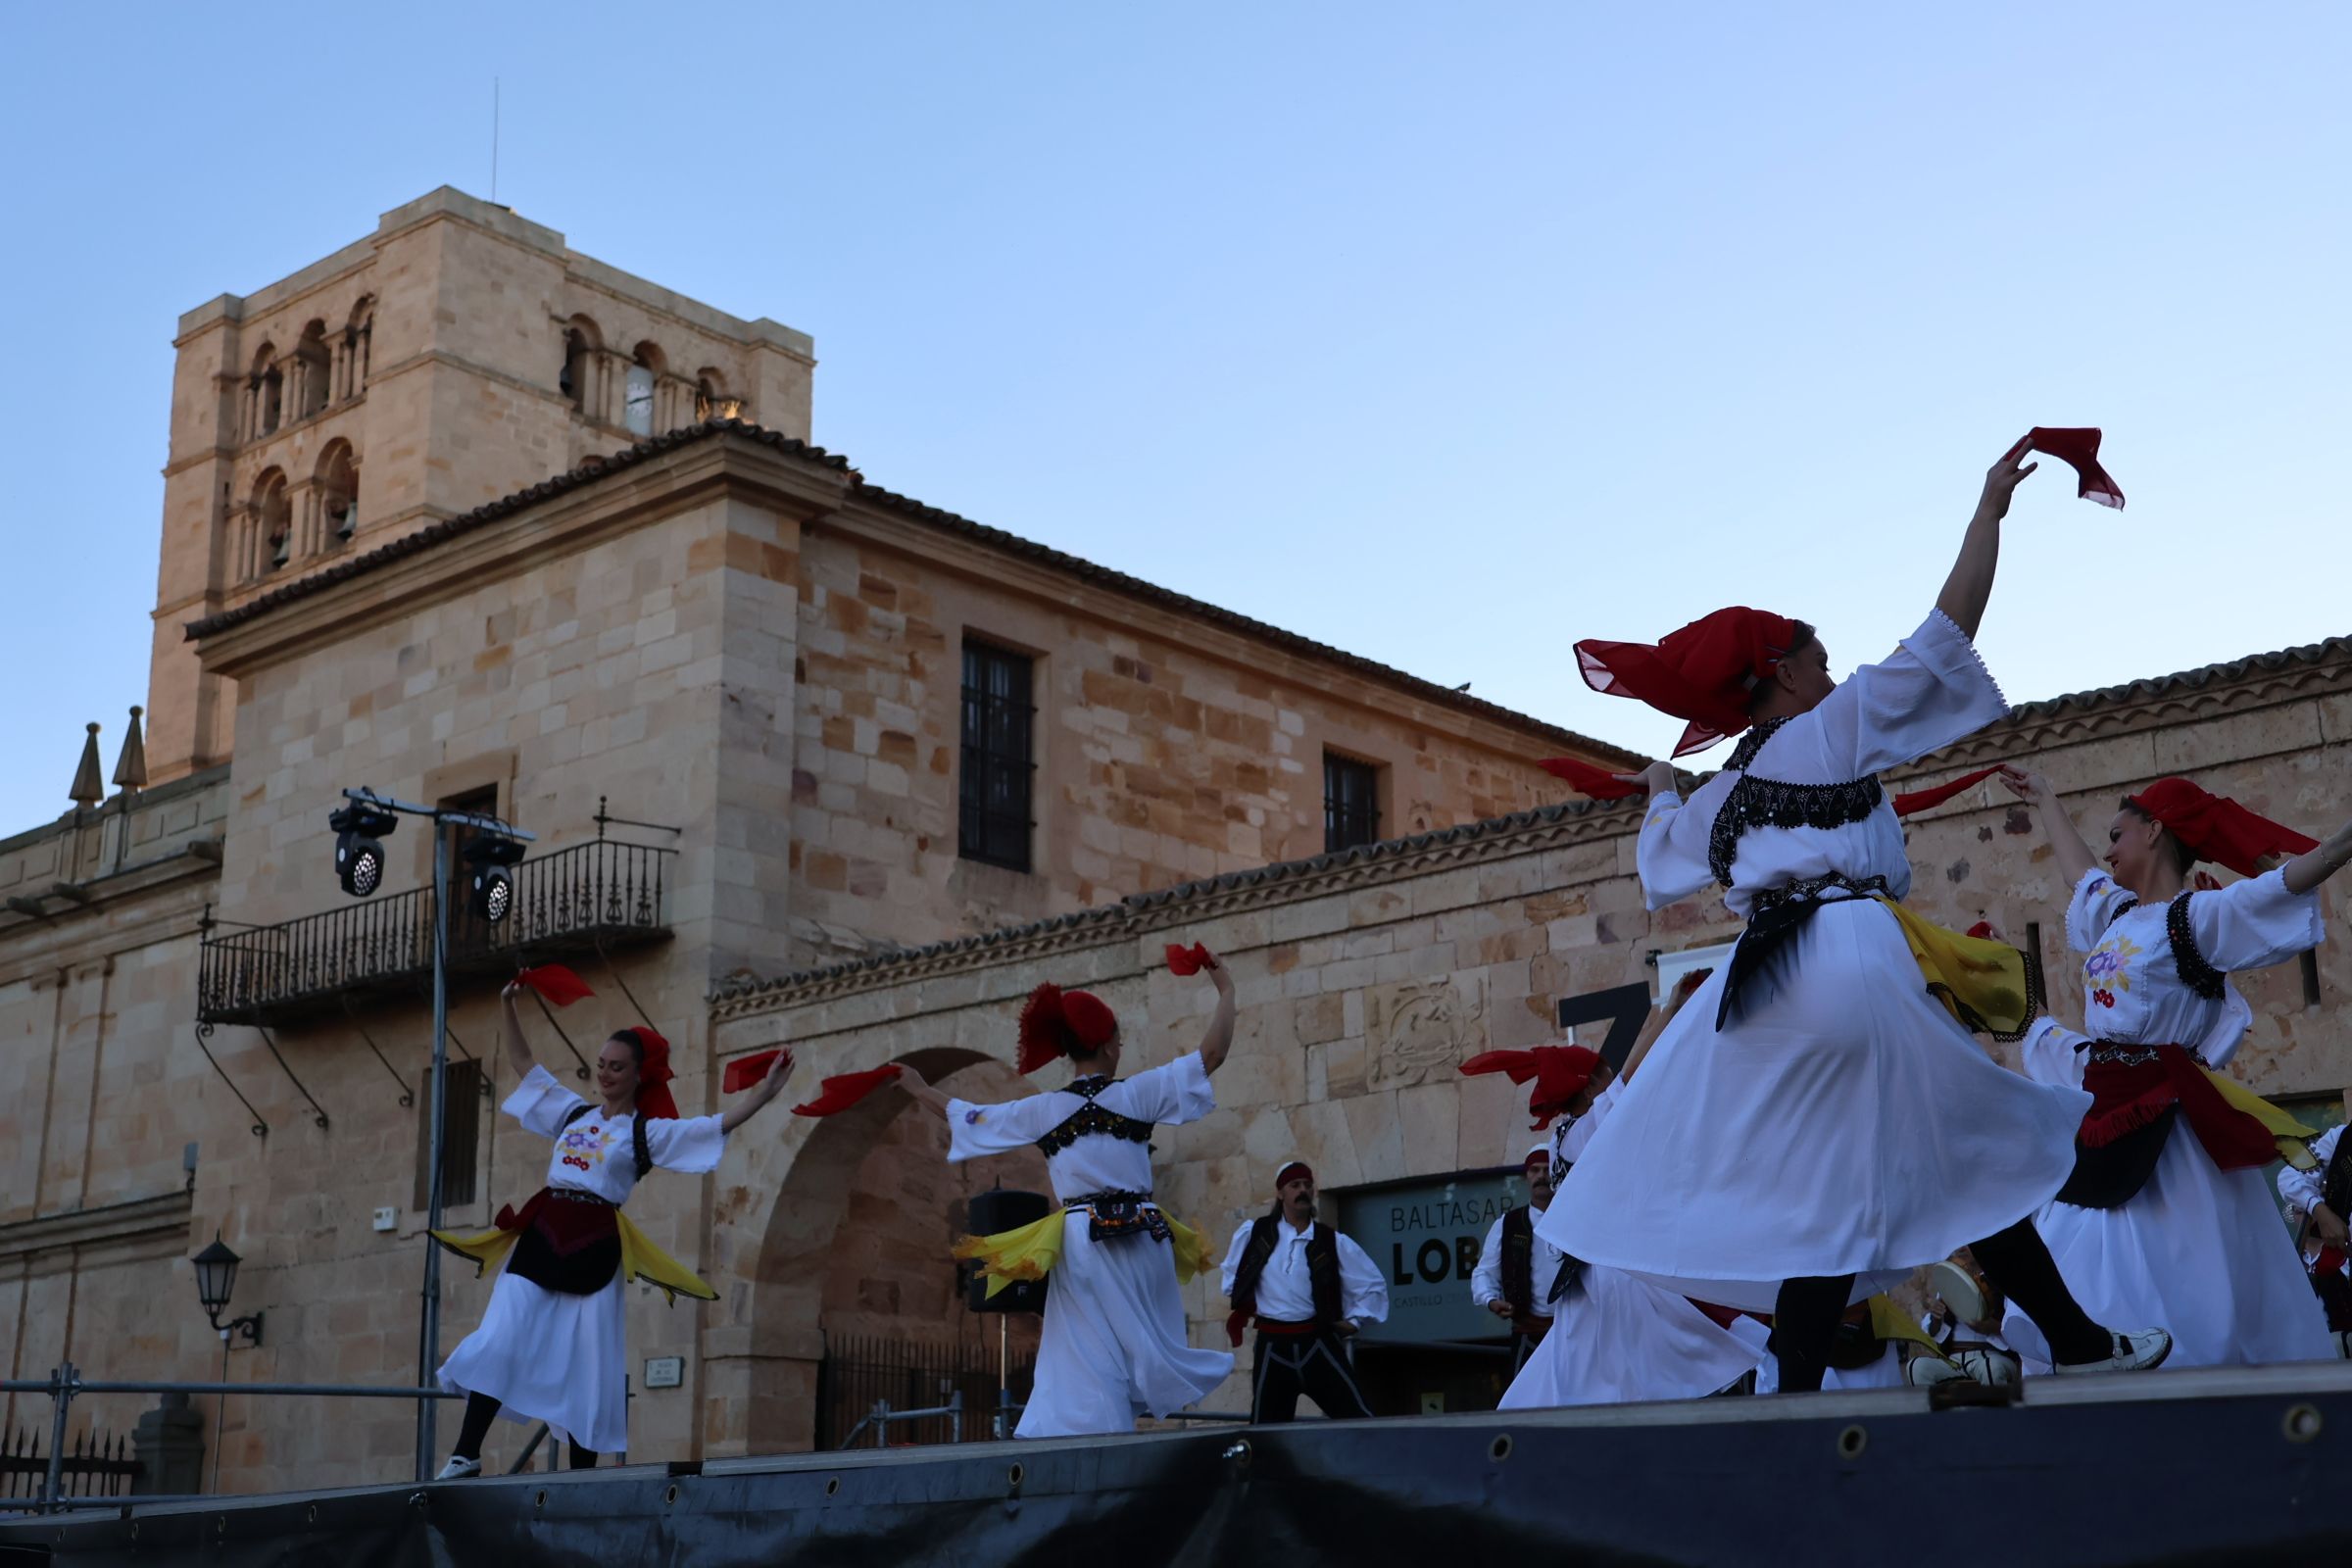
{"x": 1516, "y": 1267}
{"x": 1309, "y": 1288}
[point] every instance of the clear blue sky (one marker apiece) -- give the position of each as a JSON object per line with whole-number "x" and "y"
{"x": 1444, "y": 333}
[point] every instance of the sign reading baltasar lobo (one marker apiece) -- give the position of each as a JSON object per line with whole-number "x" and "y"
{"x": 1423, "y": 1238}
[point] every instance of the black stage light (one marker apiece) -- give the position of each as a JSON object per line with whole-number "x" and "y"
{"x": 492, "y": 895}
{"x": 359, "y": 848}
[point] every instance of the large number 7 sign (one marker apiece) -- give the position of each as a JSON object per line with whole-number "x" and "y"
{"x": 1625, "y": 1007}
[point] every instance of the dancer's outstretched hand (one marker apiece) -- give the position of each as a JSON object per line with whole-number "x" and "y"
{"x": 2031, "y": 786}
{"x": 2002, "y": 479}
{"x": 1657, "y": 778}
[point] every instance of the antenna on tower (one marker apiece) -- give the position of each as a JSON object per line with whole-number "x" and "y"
{"x": 493, "y": 140}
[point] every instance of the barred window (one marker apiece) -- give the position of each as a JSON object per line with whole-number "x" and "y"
{"x": 461, "y": 1135}
{"x": 993, "y": 826}
{"x": 1350, "y": 803}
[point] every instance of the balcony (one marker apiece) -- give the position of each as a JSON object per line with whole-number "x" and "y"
{"x": 568, "y": 903}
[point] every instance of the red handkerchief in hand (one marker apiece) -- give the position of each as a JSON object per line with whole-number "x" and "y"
{"x": 2080, "y": 449}
{"x": 556, "y": 983}
{"x": 745, "y": 1071}
{"x": 1921, "y": 800}
{"x": 1585, "y": 779}
{"x": 845, "y": 1090}
{"x": 1183, "y": 960}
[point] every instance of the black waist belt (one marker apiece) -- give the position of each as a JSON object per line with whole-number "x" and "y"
{"x": 1115, "y": 1216}
{"x": 1776, "y": 916}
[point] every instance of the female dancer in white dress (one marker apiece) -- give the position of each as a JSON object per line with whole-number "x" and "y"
{"x": 2164, "y": 1221}
{"x": 1817, "y": 1125}
{"x": 1615, "y": 1338}
{"x": 1113, "y": 1345}
{"x": 552, "y": 1345}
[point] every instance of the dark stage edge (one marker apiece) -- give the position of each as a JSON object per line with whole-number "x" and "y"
{"x": 2194, "y": 1467}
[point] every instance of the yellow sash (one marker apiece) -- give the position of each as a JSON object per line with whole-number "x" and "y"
{"x": 640, "y": 1258}
{"x": 2293, "y": 1138}
{"x": 1030, "y": 1252}
{"x": 1890, "y": 1322}
{"x": 1983, "y": 983}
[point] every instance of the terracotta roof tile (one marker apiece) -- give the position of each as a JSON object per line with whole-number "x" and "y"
{"x": 996, "y": 539}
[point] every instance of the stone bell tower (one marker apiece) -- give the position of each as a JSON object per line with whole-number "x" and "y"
{"x": 457, "y": 354}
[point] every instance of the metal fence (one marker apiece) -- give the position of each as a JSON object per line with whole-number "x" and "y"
{"x": 93, "y": 1465}
{"x": 65, "y": 1384}
{"x": 574, "y": 899}
{"x": 891, "y": 1394}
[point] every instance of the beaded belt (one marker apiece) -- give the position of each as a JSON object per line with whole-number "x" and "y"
{"x": 1116, "y": 1215}
{"x": 1772, "y": 918}
{"x": 1809, "y": 890}
{"x": 2130, "y": 1055}
{"x": 575, "y": 1196}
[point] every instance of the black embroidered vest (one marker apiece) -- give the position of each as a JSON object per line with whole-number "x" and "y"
{"x": 1755, "y": 802}
{"x": 2335, "y": 1188}
{"x": 1322, "y": 1268}
{"x": 1519, "y": 1259}
{"x": 1092, "y": 1118}
{"x": 2196, "y": 973}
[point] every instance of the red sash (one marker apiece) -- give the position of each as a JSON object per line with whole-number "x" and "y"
{"x": 2128, "y": 1095}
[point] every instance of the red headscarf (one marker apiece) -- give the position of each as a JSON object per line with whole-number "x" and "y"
{"x": 1557, "y": 1071}
{"x": 653, "y": 1073}
{"x": 1291, "y": 1172}
{"x": 1703, "y": 673}
{"x": 1063, "y": 1023}
{"x": 2215, "y": 827}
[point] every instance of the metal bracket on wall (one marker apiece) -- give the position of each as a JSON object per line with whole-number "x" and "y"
{"x": 603, "y": 817}
{"x": 550, "y": 1014}
{"x": 319, "y": 1110}
{"x": 482, "y": 1078}
{"x": 261, "y": 1128}
{"x": 408, "y": 1097}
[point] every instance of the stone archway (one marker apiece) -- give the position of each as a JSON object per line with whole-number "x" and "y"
{"x": 817, "y": 1249}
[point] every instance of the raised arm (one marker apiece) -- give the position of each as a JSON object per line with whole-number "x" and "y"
{"x": 2074, "y": 853}
{"x": 1217, "y": 1039}
{"x": 767, "y": 1089}
{"x": 1968, "y": 587}
{"x": 2315, "y": 866}
{"x": 518, "y": 1050}
{"x": 920, "y": 1092}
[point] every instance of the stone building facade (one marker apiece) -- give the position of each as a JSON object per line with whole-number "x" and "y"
{"x": 729, "y": 686}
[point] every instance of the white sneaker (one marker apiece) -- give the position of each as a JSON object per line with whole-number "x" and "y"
{"x": 2134, "y": 1353}
{"x": 458, "y": 1469}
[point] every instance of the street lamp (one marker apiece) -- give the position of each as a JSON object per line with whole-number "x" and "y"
{"x": 215, "y": 1280}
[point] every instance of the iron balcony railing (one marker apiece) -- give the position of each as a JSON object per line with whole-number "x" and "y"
{"x": 575, "y": 901}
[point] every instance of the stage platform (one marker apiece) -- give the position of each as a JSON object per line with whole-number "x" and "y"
{"x": 2203, "y": 1468}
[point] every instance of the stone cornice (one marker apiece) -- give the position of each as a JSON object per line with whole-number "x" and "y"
{"x": 166, "y": 1215}
{"x": 2164, "y": 701}
{"x": 394, "y": 580}
{"x": 1524, "y": 833}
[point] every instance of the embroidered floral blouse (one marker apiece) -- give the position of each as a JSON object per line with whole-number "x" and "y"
{"x": 2133, "y": 990}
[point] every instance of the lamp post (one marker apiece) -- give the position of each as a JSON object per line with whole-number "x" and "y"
{"x": 372, "y": 810}
{"x": 215, "y": 1280}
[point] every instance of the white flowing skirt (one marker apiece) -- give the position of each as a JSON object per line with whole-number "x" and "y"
{"x": 1113, "y": 1344}
{"x": 1844, "y": 1125}
{"x": 2200, "y": 1251}
{"x": 1615, "y": 1339}
{"x": 550, "y": 1357}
